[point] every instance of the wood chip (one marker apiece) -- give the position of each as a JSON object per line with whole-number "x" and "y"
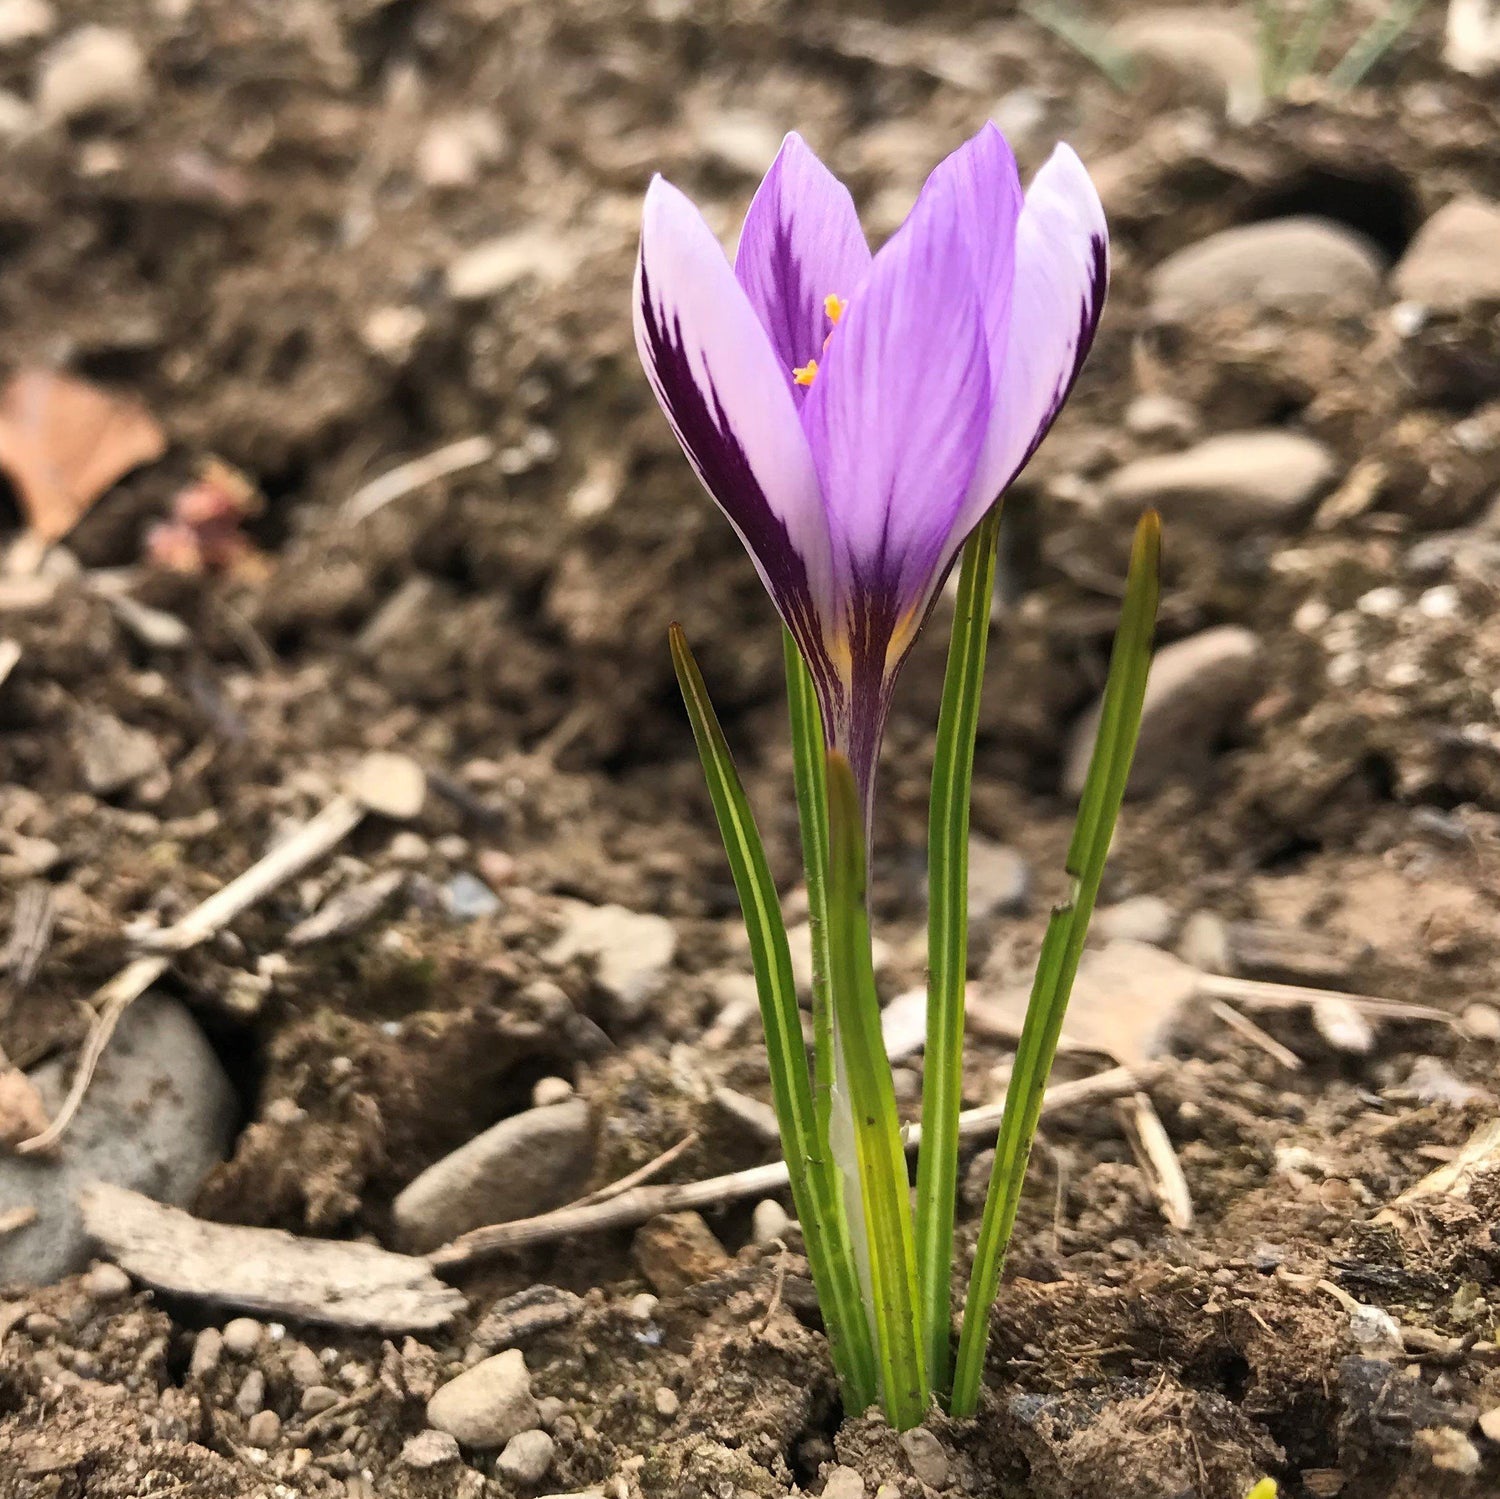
{"x": 64, "y": 443}
{"x": 1480, "y": 1152}
{"x": 1156, "y": 1158}
{"x": 264, "y": 1270}
{"x": 31, "y": 926}
{"x": 347, "y": 911}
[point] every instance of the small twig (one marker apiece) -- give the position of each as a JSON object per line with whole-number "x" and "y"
{"x": 1246, "y": 1027}
{"x": 316, "y": 837}
{"x": 637, "y": 1204}
{"x": 468, "y": 452}
{"x": 1156, "y": 1158}
{"x": 12, "y": 1220}
{"x": 1258, "y": 994}
{"x": 311, "y": 841}
{"x": 30, "y": 934}
{"x": 774, "y": 1304}
{"x": 10, "y": 653}
{"x": 653, "y": 1167}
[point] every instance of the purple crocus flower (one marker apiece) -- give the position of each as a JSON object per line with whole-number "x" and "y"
{"x": 853, "y": 415}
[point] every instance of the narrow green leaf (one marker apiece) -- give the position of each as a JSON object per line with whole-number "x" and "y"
{"x": 811, "y": 775}
{"x": 948, "y": 945}
{"x": 1372, "y": 44}
{"x": 1306, "y": 43}
{"x": 879, "y": 1153}
{"x": 1099, "y": 807}
{"x": 820, "y": 1212}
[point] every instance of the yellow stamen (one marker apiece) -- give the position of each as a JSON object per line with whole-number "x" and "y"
{"x": 834, "y": 306}
{"x": 805, "y": 374}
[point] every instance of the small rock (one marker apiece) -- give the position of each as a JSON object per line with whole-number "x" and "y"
{"x": 999, "y": 879}
{"x": 318, "y": 1397}
{"x": 642, "y": 1307}
{"x": 666, "y": 1402}
{"x": 349, "y": 910}
{"x": 112, "y": 755}
{"x": 757, "y": 1118}
{"x": 1161, "y": 418}
{"x": 549, "y": 1407}
{"x": 429, "y": 1449}
{"x": 1204, "y": 943}
{"x": 106, "y": 1282}
{"x": 1431, "y": 1082}
{"x": 843, "y": 1483}
{"x": 487, "y": 1405}
{"x": 1191, "y": 55}
{"x": 524, "y": 1165}
{"x": 242, "y": 1335}
{"x": 903, "y": 1024}
{"x": 925, "y": 1454}
{"x": 1142, "y": 918}
{"x": 263, "y": 1429}
{"x": 1235, "y": 482}
{"x": 408, "y": 847}
{"x": 251, "y": 1395}
{"x": 1481, "y": 1022}
{"x": 1489, "y": 1424}
{"x": 1449, "y": 1450}
{"x": 527, "y": 1458}
{"x": 1343, "y": 1026}
{"x": 1471, "y": 41}
{"x": 25, "y": 21}
{"x": 158, "y": 1115}
{"x": 550, "y": 1090}
{"x": 17, "y": 118}
{"x": 303, "y": 1365}
{"x": 208, "y": 1349}
{"x": 632, "y": 952}
{"x": 453, "y": 151}
{"x": 1294, "y": 266}
{"x": 1451, "y": 265}
{"x": 678, "y": 1250}
{"x": 525, "y": 1315}
{"x": 94, "y": 70}
{"x": 1196, "y": 688}
{"x": 468, "y": 898}
{"x": 745, "y": 143}
{"x": 392, "y": 785}
{"x": 485, "y": 270}
{"x": 1376, "y": 1332}
{"x": 769, "y": 1222}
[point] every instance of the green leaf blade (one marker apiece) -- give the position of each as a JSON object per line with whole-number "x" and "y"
{"x": 948, "y": 944}
{"x": 819, "y": 1211}
{"x": 880, "y": 1155}
{"x": 1062, "y": 946}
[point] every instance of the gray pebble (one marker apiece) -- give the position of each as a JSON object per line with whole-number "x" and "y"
{"x": 242, "y": 1335}
{"x": 489, "y": 1404}
{"x": 158, "y": 1115}
{"x": 251, "y": 1395}
{"x": 549, "y": 1408}
{"x": 550, "y": 1090}
{"x": 318, "y": 1397}
{"x": 263, "y": 1429}
{"x": 527, "y": 1458}
{"x": 769, "y": 1222}
{"x": 430, "y": 1449}
{"x": 843, "y": 1483}
{"x": 208, "y": 1349}
{"x": 303, "y": 1365}
{"x": 925, "y": 1454}
{"x": 106, "y": 1282}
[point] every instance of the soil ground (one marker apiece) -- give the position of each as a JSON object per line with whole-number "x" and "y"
{"x": 258, "y": 253}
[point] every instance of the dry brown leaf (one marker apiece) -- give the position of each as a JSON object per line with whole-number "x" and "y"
{"x": 64, "y": 443}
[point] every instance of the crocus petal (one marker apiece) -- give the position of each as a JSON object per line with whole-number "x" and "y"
{"x": 801, "y": 243}
{"x": 718, "y": 380}
{"x": 896, "y": 419}
{"x": 899, "y": 409}
{"x": 986, "y": 189}
{"x": 1061, "y": 273}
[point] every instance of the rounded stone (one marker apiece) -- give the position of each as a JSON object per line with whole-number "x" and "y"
{"x": 106, "y": 1282}
{"x": 489, "y": 1404}
{"x": 429, "y": 1449}
{"x": 527, "y": 1458}
{"x": 242, "y": 1335}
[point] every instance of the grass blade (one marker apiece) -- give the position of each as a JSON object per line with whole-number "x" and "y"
{"x": 821, "y": 1214}
{"x": 1372, "y": 44}
{"x": 1099, "y": 807}
{"x": 878, "y": 1150}
{"x": 948, "y": 945}
{"x": 811, "y": 774}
